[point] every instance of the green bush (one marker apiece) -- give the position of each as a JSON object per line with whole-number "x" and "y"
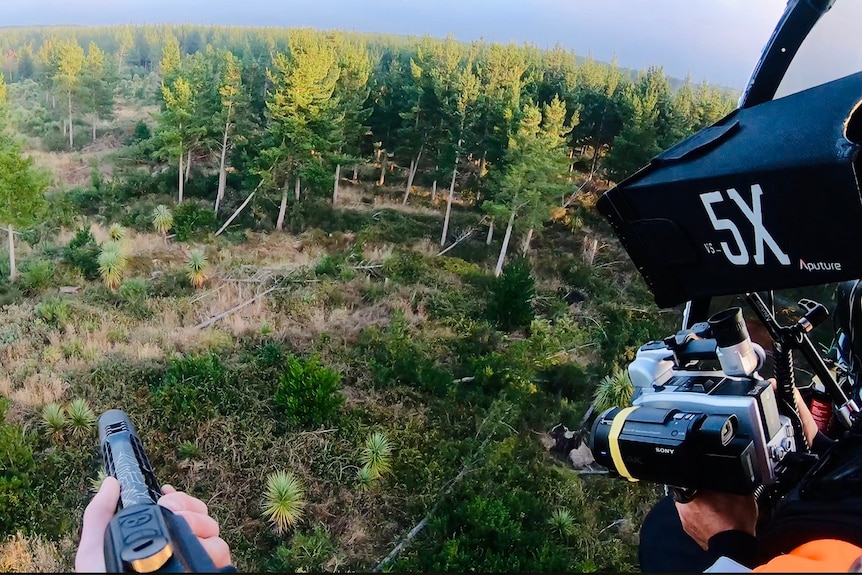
{"x": 510, "y": 305}
{"x": 9, "y": 293}
{"x": 328, "y": 265}
{"x": 174, "y": 283}
{"x": 406, "y": 267}
{"x": 132, "y": 295}
{"x": 54, "y": 311}
{"x": 198, "y": 387}
{"x": 307, "y": 552}
{"x": 86, "y": 201}
{"x": 82, "y": 253}
{"x": 193, "y": 220}
{"x": 190, "y": 389}
{"x": 142, "y": 133}
{"x": 36, "y": 275}
{"x": 308, "y": 393}
{"x": 395, "y": 357}
{"x": 16, "y": 464}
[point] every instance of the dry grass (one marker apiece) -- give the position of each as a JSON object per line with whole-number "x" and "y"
{"x": 73, "y": 169}
{"x": 37, "y": 390}
{"x": 367, "y": 196}
{"x": 20, "y": 554}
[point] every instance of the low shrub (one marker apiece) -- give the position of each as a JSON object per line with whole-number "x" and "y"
{"x": 190, "y": 389}
{"x": 308, "y": 552}
{"x": 308, "y": 393}
{"x": 9, "y": 294}
{"x": 393, "y": 356}
{"x": 174, "y": 283}
{"x": 132, "y": 296}
{"x": 82, "y": 253}
{"x": 510, "y": 305}
{"x": 406, "y": 267}
{"x": 16, "y": 465}
{"x": 54, "y": 311}
{"x": 193, "y": 220}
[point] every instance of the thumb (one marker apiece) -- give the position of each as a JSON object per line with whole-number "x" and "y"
{"x": 97, "y": 516}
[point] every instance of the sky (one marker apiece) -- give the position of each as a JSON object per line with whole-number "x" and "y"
{"x": 714, "y": 40}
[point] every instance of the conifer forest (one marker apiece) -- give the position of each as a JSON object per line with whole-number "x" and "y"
{"x": 343, "y": 284}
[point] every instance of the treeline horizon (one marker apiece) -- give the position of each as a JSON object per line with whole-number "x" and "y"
{"x": 514, "y": 131}
{"x": 676, "y": 82}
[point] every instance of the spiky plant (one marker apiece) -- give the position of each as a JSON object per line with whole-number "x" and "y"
{"x": 96, "y": 482}
{"x": 377, "y": 454}
{"x": 54, "y": 419}
{"x": 82, "y": 420}
{"x": 112, "y": 264}
{"x": 364, "y": 478}
{"x": 117, "y": 232}
{"x": 163, "y": 220}
{"x": 284, "y": 501}
{"x": 563, "y": 522}
{"x": 614, "y": 390}
{"x": 196, "y": 268}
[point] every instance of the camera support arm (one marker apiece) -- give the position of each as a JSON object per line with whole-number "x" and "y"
{"x": 787, "y": 338}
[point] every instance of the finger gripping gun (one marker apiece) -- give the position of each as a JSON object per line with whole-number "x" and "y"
{"x": 143, "y": 537}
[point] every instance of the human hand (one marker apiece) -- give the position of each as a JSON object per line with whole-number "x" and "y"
{"x": 809, "y": 426}
{"x": 196, "y": 514}
{"x": 98, "y": 514}
{"x": 711, "y": 513}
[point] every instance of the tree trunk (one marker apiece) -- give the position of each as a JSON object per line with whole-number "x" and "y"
{"x": 335, "y": 189}
{"x": 222, "y": 170}
{"x": 279, "y": 224}
{"x": 409, "y": 182}
{"x": 296, "y": 189}
{"x": 448, "y": 207}
{"x": 71, "y": 131}
{"x": 355, "y": 174}
{"x": 490, "y": 237}
{"x": 499, "y": 269}
{"x": 434, "y": 192}
{"x": 53, "y": 101}
{"x": 188, "y": 164}
{"x": 180, "y": 176}
{"x": 382, "y": 169}
{"x": 482, "y": 163}
{"x": 13, "y": 270}
{"x": 414, "y": 166}
{"x": 525, "y": 247}
{"x": 65, "y": 133}
{"x": 94, "y": 127}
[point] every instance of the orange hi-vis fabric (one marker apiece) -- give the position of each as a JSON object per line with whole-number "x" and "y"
{"x": 823, "y": 555}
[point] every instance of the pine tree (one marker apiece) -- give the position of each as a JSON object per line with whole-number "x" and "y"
{"x": 21, "y": 185}
{"x": 303, "y": 129}
{"x": 175, "y": 125}
{"x": 67, "y": 75}
{"x": 233, "y": 97}
{"x": 535, "y": 173}
{"x": 98, "y": 92}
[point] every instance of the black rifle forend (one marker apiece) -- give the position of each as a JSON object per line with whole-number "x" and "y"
{"x": 143, "y": 537}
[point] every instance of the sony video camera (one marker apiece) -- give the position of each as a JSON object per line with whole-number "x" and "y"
{"x": 701, "y": 416}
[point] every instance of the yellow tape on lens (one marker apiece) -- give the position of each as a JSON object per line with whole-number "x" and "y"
{"x": 614, "y": 442}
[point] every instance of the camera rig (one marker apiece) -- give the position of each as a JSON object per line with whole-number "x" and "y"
{"x": 709, "y": 217}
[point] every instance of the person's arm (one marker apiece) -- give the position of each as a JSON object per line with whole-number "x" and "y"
{"x": 90, "y": 557}
{"x": 724, "y": 524}
{"x": 721, "y": 523}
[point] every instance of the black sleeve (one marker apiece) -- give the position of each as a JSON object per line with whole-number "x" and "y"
{"x": 821, "y": 443}
{"x": 737, "y": 545}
